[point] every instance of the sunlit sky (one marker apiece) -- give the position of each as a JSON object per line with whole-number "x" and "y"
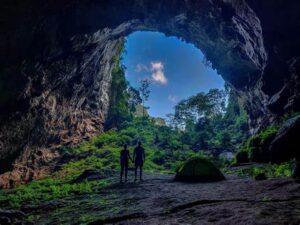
{"x": 174, "y": 67}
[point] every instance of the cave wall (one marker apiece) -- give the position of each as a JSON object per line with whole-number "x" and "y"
{"x": 56, "y": 60}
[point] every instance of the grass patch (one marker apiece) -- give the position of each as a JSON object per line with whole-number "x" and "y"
{"x": 46, "y": 190}
{"x": 270, "y": 170}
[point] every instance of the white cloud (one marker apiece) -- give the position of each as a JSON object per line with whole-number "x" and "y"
{"x": 140, "y": 68}
{"x": 156, "y": 69}
{"x": 172, "y": 98}
{"x": 158, "y": 75}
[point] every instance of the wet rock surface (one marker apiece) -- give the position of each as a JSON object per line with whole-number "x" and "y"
{"x": 159, "y": 200}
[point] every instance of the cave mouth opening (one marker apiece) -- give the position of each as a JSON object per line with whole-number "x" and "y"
{"x": 176, "y": 69}
{"x": 185, "y": 95}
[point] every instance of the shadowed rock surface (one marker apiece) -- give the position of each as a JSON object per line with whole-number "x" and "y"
{"x": 56, "y": 60}
{"x": 286, "y": 144}
{"x": 11, "y": 217}
{"x": 159, "y": 200}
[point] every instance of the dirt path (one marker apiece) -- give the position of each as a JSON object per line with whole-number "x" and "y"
{"x": 159, "y": 200}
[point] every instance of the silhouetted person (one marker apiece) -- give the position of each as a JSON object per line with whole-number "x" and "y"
{"x": 139, "y": 159}
{"x": 124, "y": 160}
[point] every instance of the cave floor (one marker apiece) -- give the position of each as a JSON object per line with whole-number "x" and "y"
{"x": 159, "y": 200}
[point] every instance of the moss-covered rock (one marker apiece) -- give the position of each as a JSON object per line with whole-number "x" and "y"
{"x": 198, "y": 169}
{"x": 260, "y": 143}
{"x": 257, "y": 146}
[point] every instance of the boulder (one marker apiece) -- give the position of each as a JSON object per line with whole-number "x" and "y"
{"x": 198, "y": 169}
{"x": 286, "y": 144}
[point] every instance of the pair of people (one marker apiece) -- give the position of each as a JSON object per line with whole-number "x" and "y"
{"x": 138, "y": 159}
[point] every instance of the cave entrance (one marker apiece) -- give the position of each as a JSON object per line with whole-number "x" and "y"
{"x": 70, "y": 52}
{"x": 176, "y": 70}
{"x": 183, "y": 92}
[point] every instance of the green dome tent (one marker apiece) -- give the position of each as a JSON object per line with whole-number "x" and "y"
{"x": 198, "y": 170}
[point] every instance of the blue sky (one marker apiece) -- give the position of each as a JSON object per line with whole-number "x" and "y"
{"x": 175, "y": 68}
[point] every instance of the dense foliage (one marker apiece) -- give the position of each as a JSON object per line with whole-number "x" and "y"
{"x": 120, "y": 105}
{"x": 211, "y": 120}
{"x": 164, "y": 150}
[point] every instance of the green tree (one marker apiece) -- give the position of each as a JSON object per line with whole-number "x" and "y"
{"x": 215, "y": 119}
{"x": 119, "y": 107}
{"x": 134, "y": 99}
{"x": 145, "y": 92}
{"x": 225, "y": 139}
{"x": 208, "y": 105}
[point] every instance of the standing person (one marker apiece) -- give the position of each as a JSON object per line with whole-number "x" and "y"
{"x": 124, "y": 159}
{"x": 139, "y": 159}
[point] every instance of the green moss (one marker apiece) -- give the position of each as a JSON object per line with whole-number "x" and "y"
{"x": 74, "y": 169}
{"x": 257, "y": 146}
{"x": 270, "y": 170}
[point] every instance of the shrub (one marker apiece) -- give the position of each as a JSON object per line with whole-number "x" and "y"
{"x": 159, "y": 158}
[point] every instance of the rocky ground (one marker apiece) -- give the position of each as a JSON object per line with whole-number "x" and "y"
{"x": 159, "y": 200}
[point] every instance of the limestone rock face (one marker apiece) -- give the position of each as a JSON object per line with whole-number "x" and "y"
{"x": 56, "y": 59}
{"x": 285, "y": 146}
